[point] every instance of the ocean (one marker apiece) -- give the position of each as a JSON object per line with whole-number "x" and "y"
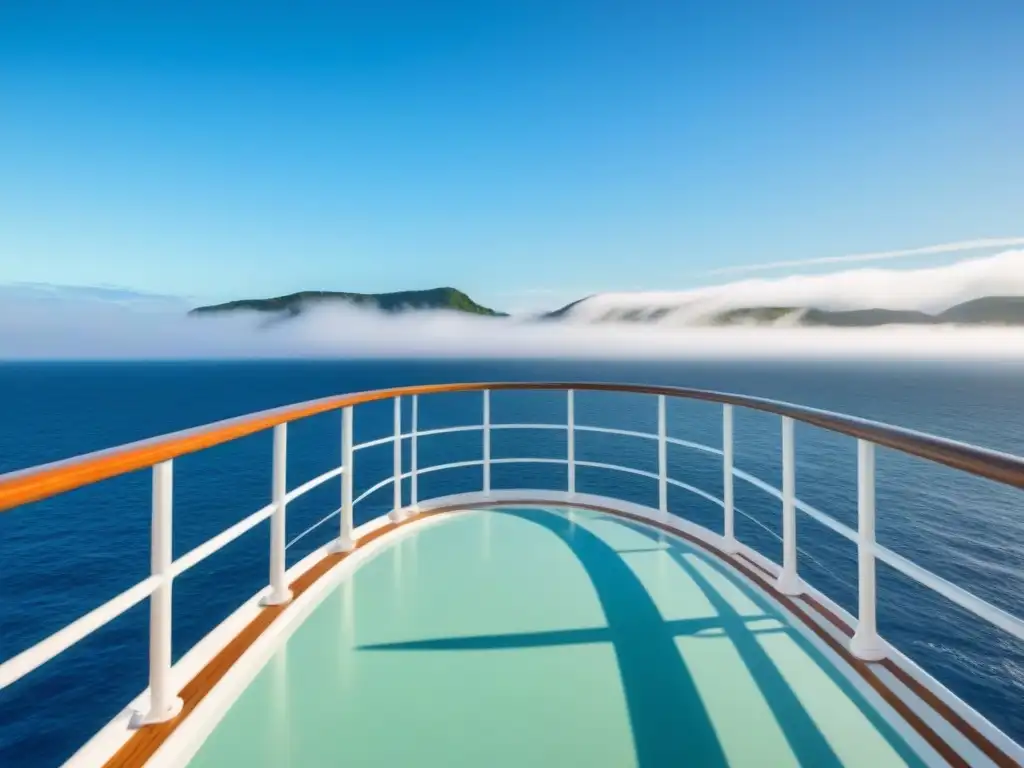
{"x": 64, "y": 556}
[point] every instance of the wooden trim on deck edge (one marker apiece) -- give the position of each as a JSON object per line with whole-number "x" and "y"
{"x": 863, "y": 668}
{"x": 940, "y": 707}
{"x": 144, "y": 743}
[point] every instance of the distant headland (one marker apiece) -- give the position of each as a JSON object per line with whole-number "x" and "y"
{"x": 632, "y": 308}
{"x": 295, "y": 304}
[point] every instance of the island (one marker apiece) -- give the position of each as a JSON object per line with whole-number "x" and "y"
{"x": 295, "y": 304}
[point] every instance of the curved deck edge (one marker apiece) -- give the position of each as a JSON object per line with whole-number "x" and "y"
{"x": 939, "y": 724}
{"x": 203, "y": 668}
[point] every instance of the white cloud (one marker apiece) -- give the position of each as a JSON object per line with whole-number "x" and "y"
{"x": 86, "y": 330}
{"x": 965, "y": 245}
{"x": 931, "y": 289}
{"x": 73, "y": 324}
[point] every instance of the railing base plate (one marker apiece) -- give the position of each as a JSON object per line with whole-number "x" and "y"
{"x": 867, "y": 648}
{"x": 279, "y": 599}
{"x": 343, "y": 544}
{"x": 142, "y": 719}
{"x": 789, "y": 585}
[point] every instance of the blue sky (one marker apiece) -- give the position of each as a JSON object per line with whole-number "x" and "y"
{"x": 526, "y": 152}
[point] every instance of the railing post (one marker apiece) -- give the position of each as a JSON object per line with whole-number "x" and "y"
{"x": 570, "y": 439}
{"x": 346, "y": 543}
{"x": 866, "y": 643}
{"x": 396, "y": 512}
{"x": 279, "y": 592}
{"x": 163, "y": 703}
{"x": 487, "y": 441}
{"x": 728, "y": 503}
{"x": 414, "y": 428}
{"x": 789, "y": 582}
{"x": 662, "y": 458}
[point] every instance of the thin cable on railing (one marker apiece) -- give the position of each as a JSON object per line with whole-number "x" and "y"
{"x": 845, "y": 531}
{"x": 694, "y": 490}
{"x": 803, "y": 552}
{"x": 373, "y": 489}
{"x": 312, "y": 528}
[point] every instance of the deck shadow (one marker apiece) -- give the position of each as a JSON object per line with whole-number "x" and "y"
{"x": 670, "y": 723}
{"x": 551, "y": 638}
{"x": 803, "y": 736}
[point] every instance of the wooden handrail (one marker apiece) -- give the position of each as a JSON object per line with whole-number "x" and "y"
{"x": 42, "y": 482}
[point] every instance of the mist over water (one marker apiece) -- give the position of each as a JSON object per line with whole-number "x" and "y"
{"x": 76, "y": 325}
{"x": 927, "y": 289}
{"x": 75, "y": 333}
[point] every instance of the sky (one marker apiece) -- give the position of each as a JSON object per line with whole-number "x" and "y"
{"x": 528, "y": 152}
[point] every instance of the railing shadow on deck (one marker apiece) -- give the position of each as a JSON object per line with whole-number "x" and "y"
{"x": 803, "y": 736}
{"x": 670, "y": 722}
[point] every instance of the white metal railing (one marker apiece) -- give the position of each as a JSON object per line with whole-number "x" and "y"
{"x": 164, "y": 702}
{"x": 728, "y": 472}
{"x": 487, "y": 440}
{"x": 279, "y": 592}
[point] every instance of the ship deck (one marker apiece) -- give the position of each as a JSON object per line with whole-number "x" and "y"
{"x": 554, "y": 636}
{"x": 514, "y": 626}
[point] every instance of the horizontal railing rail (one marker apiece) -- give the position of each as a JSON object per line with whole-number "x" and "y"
{"x": 38, "y": 483}
{"x": 35, "y": 484}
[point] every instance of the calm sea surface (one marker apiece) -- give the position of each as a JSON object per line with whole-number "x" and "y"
{"x": 62, "y": 557}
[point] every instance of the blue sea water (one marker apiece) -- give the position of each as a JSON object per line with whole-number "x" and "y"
{"x": 62, "y": 557}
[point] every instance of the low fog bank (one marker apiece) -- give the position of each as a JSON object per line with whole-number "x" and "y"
{"x": 930, "y": 289}
{"x": 32, "y": 330}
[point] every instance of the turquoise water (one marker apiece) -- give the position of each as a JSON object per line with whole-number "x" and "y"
{"x": 514, "y": 637}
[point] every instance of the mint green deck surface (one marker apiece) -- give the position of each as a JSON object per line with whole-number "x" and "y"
{"x": 530, "y": 637}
